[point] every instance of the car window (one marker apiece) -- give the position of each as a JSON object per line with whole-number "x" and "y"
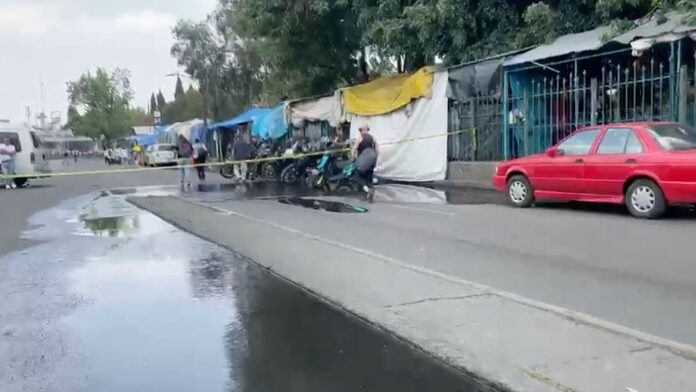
{"x": 578, "y": 144}
{"x": 14, "y": 138}
{"x": 633, "y": 145}
{"x": 614, "y": 141}
{"x": 166, "y": 147}
{"x": 674, "y": 136}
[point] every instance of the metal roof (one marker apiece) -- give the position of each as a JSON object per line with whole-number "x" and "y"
{"x": 673, "y": 28}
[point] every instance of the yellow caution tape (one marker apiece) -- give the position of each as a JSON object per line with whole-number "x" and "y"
{"x": 224, "y": 163}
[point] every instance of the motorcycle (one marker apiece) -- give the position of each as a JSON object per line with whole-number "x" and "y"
{"x": 329, "y": 176}
{"x": 299, "y": 168}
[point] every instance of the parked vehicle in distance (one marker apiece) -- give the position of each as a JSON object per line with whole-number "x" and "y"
{"x": 31, "y": 159}
{"x": 646, "y": 166}
{"x": 161, "y": 154}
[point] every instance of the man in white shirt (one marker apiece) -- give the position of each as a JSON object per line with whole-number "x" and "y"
{"x": 7, "y": 161}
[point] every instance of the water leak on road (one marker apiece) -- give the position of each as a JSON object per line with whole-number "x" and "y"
{"x": 323, "y": 205}
{"x": 160, "y": 309}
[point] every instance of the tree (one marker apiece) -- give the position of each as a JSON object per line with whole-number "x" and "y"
{"x": 186, "y": 106}
{"x": 153, "y": 104}
{"x": 161, "y": 102}
{"x": 99, "y": 104}
{"x": 179, "y": 89}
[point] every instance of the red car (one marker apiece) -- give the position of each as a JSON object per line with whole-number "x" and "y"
{"x": 647, "y": 166}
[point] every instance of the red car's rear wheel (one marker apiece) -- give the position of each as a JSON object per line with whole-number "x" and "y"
{"x": 644, "y": 199}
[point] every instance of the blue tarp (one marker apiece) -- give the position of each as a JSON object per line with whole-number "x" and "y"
{"x": 147, "y": 140}
{"x": 199, "y": 132}
{"x": 271, "y": 125}
{"x": 249, "y": 116}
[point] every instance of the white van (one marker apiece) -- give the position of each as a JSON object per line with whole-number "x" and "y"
{"x": 31, "y": 159}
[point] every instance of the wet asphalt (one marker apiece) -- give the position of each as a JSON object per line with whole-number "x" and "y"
{"x": 98, "y": 295}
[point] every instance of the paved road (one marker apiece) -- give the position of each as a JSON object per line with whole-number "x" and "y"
{"x": 19, "y": 204}
{"x": 101, "y": 296}
{"x": 596, "y": 260}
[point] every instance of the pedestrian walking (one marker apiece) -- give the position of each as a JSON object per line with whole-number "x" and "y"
{"x": 7, "y": 162}
{"x": 200, "y": 156}
{"x": 185, "y": 154}
{"x": 365, "y": 152}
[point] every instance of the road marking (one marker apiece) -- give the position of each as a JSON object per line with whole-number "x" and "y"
{"x": 404, "y": 207}
{"x": 683, "y": 350}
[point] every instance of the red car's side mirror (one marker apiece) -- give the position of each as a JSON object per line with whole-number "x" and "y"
{"x": 551, "y": 152}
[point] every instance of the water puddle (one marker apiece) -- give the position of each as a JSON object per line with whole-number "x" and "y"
{"x": 164, "y": 310}
{"x": 113, "y": 226}
{"x": 323, "y": 205}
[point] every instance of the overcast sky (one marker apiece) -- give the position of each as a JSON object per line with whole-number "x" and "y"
{"x": 57, "y": 40}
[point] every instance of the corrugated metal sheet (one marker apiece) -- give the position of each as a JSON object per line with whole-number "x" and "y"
{"x": 673, "y": 28}
{"x": 563, "y": 45}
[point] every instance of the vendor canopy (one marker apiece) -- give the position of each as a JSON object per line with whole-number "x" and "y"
{"x": 271, "y": 125}
{"x": 388, "y": 94}
{"x": 412, "y": 140}
{"x": 188, "y": 129}
{"x": 325, "y": 108}
{"x": 247, "y": 117}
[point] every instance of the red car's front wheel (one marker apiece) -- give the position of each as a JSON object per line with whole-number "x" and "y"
{"x": 520, "y": 192}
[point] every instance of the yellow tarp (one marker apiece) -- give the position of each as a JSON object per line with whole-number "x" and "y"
{"x": 388, "y": 94}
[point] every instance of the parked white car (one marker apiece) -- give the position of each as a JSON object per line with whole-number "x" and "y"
{"x": 161, "y": 154}
{"x": 31, "y": 159}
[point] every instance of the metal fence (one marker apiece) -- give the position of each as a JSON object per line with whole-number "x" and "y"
{"x": 542, "y": 104}
{"x": 541, "y": 111}
{"x": 481, "y": 117}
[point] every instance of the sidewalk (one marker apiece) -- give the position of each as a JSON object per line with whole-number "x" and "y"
{"x": 493, "y": 335}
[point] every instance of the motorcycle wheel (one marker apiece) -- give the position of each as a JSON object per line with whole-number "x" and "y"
{"x": 227, "y": 171}
{"x": 269, "y": 171}
{"x": 289, "y": 175}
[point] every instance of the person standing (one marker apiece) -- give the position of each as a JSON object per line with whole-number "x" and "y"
{"x": 185, "y": 154}
{"x": 7, "y": 161}
{"x": 365, "y": 153}
{"x": 243, "y": 150}
{"x": 200, "y": 156}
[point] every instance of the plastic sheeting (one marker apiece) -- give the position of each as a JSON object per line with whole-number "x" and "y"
{"x": 271, "y": 125}
{"x": 249, "y": 116}
{"x": 326, "y": 108}
{"x": 412, "y": 140}
{"x": 388, "y": 94}
{"x": 478, "y": 78}
{"x": 186, "y": 129}
{"x": 152, "y": 138}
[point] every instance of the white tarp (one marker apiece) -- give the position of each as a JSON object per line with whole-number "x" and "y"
{"x": 319, "y": 109}
{"x": 184, "y": 128}
{"x": 412, "y": 140}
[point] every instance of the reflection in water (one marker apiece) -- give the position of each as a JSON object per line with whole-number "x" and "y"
{"x": 115, "y": 226}
{"x": 170, "y": 312}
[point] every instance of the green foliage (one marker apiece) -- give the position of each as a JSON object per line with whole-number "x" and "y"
{"x": 161, "y": 102}
{"x": 179, "y": 88}
{"x": 186, "y": 106}
{"x": 256, "y": 52}
{"x": 153, "y": 103}
{"x": 99, "y": 104}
